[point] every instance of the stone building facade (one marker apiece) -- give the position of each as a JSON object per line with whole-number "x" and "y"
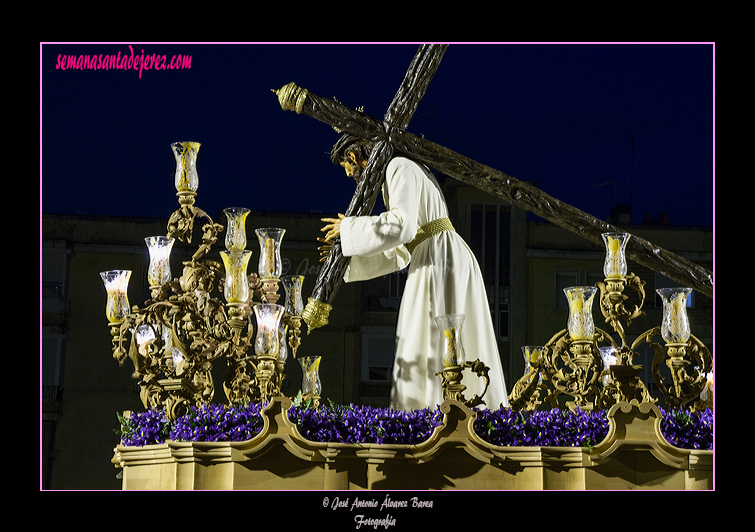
{"x": 525, "y": 264}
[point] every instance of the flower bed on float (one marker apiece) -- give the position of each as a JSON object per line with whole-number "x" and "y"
{"x": 353, "y": 424}
{"x": 289, "y": 445}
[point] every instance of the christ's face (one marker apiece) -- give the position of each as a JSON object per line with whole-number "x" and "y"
{"x": 353, "y": 166}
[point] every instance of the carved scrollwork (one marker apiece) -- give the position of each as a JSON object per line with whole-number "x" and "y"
{"x": 525, "y": 394}
{"x": 688, "y": 365}
{"x": 612, "y": 301}
{"x": 453, "y": 389}
{"x": 181, "y": 225}
{"x": 572, "y": 367}
{"x": 175, "y": 338}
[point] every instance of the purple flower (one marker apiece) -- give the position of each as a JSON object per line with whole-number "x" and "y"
{"x": 560, "y": 428}
{"x": 216, "y": 422}
{"x": 688, "y": 430}
{"x": 144, "y": 428}
{"x": 364, "y": 424}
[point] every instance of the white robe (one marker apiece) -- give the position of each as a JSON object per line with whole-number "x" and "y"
{"x": 443, "y": 278}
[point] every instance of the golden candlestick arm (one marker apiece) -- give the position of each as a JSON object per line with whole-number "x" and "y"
{"x": 174, "y": 339}
{"x": 574, "y": 366}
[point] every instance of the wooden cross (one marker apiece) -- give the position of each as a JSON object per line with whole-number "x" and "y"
{"x": 390, "y": 135}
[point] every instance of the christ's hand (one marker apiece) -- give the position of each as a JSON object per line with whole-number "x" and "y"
{"x": 332, "y": 231}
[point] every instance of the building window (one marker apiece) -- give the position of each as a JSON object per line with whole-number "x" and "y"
{"x": 490, "y": 241}
{"x": 644, "y": 358}
{"x": 377, "y": 353}
{"x": 53, "y": 343}
{"x": 661, "y": 281}
{"x": 564, "y": 278}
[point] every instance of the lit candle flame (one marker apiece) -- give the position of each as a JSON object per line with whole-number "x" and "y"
{"x": 449, "y": 346}
{"x": 614, "y": 249}
{"x": 580, "y": 319}
{"x": 270, "y": 254}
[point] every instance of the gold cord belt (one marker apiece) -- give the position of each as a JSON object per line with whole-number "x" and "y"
{"x": 429, "y": 229}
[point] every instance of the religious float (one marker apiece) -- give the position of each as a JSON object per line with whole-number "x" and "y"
{"x": 173, "y": 340}
{"x": 634, "y": 455}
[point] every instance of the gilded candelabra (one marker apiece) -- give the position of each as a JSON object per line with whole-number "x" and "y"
{"x": 183, "y": 328}
{"x": 454, "y": 362}
{"x": 574, "y": 363}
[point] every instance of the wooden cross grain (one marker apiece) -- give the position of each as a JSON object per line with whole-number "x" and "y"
{"x": 389, "y": 136}
{"x": 421, "y": 70}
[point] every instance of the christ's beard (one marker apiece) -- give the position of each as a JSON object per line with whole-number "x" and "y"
{"x": 356, "y": 172}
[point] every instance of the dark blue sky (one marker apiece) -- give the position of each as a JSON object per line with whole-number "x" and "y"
{"x": 595, "y": 124}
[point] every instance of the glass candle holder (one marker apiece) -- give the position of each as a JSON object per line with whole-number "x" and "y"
{"x": 675, "y": 323}
{"x": 186, "y": 178}
{"x": 143, "y": 335}
{"x": 310, "y": 381}
{"x": 615, "y": 264}
{"x": 531, "y": 353}
{"x": 267, "y": 341}
{"x": 609, "y": 359}
{"x": 282, "y": 333}
{"x": 235, "y": 236}
{"x": 159, "y": 248}
{"x": 166, "y": 335}
{"x": 580, "y": 323}
{"x": 116, "y": 286}
{"x": 269, "y": 266}
{"x": 293, "y": 285}
{"x": 178, "y": 360}
{"x": 236, "y": 287}
{"x": 452, "y": 350}
{"x": 707, "y": 392}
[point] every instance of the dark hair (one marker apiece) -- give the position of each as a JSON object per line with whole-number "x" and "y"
{"x": 350, "y": 143}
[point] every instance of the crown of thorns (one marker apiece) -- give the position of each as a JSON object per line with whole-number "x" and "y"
{"x": 349, "y": 142}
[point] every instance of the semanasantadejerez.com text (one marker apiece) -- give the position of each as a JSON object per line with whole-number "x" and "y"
{"x": 127, "y": 61}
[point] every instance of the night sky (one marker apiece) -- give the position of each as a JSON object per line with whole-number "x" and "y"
{"x": 594, "y": 124}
